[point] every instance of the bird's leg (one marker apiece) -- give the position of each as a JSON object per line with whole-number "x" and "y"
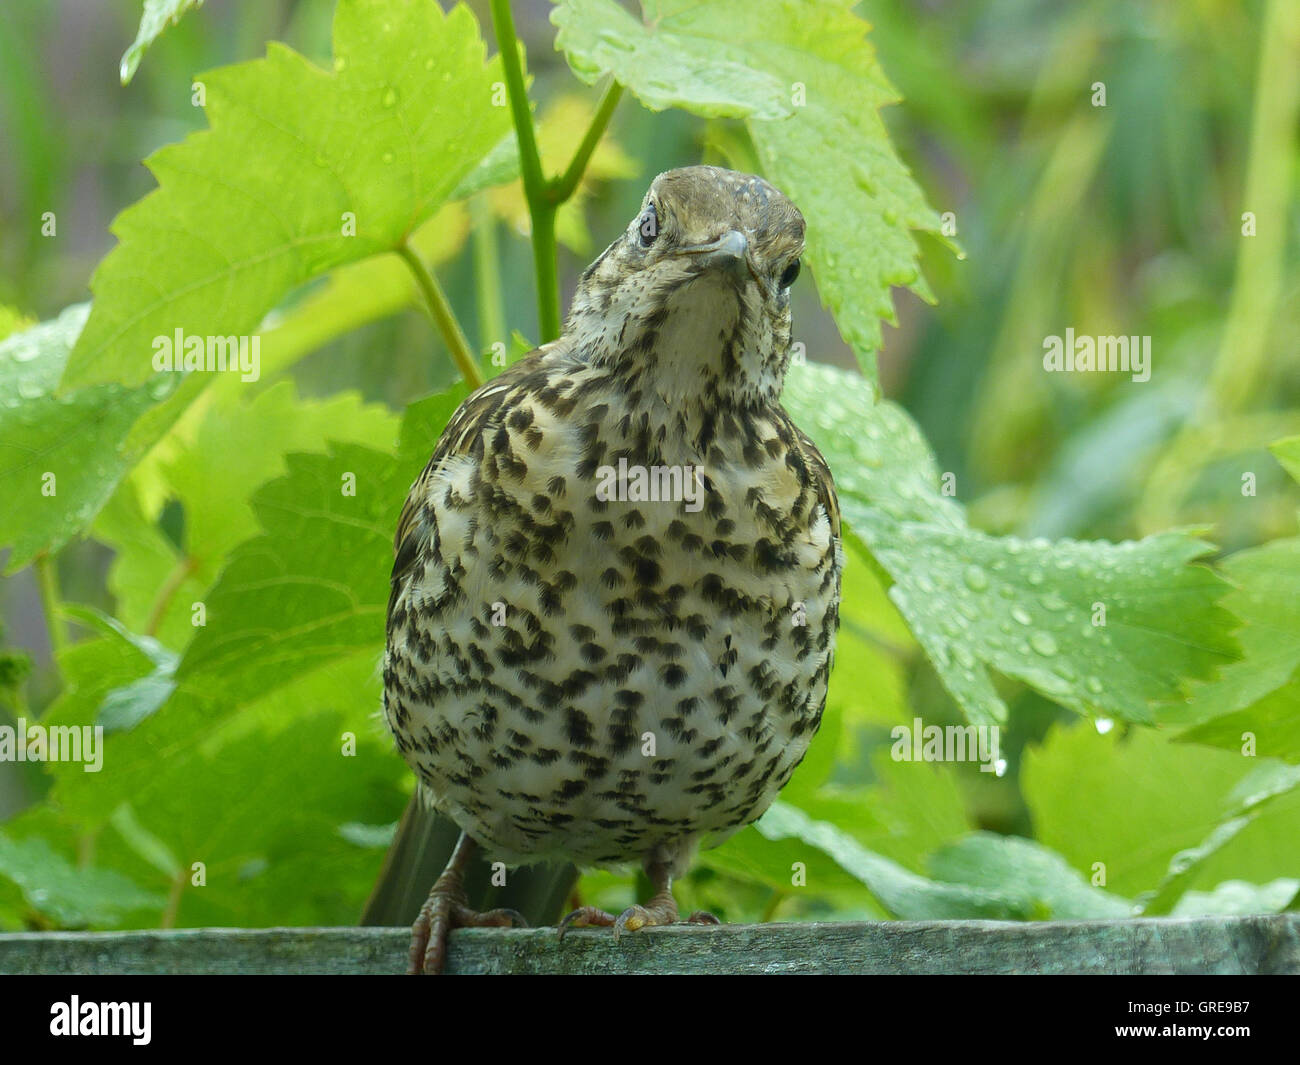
{"x": 446, "y": 908}
{"x": 659, "y": 909}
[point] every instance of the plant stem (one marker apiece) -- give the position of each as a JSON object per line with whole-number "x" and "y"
{"x": 179, "y": 574}
{"x": 564, "y": 187}
{"x": 173, "y": 906}
{"x": 487, "y": 273}
{"x": 1241, "y": 361}
{"x": 541, "y": 209}
{"x": 773, "y": 904}
{"x": 1240, "y": 366}
{"x": 47, "y": 578}
{"x": 443, "y": 317}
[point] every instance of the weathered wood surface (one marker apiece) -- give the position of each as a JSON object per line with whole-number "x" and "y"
{"x": 1261, "y": 944}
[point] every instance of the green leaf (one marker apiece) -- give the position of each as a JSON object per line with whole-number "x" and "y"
{"x": 145, "y": 843}
{"x": 908, "y": 811}
{"x": 193, "y": 724}
{"x": 1250, "y": 797}
{"x": 1028, "y": 609}
{"x": 60, "y": 457}
{"x": 72, "y": 897}
{"x": 1288, "y": 454}
{"x": 1270, "y": 726}
{"x": 666, "y": 67}
{"x": 1040, "y": 879}
{"x": 238, "y": 446}
{"x": 1256, "y": 700}
{"x": 312, "y": 587}
{"x": 905, "y": 894}
{"x": 257, "y": 204}
{"x": 1126, "y": 805}
{"x": 358, "y": 293}
{"x": 126, "y": 706}
{"x": 819, "y": 134}
{"x": 157, "y": 16}
{"x": 12, "y": 321}
{"x": 257, "y": 811}
{"x": 1238, "y": 898}
{"x": 148, "y": 575}
{"x": 1266, "y": 597}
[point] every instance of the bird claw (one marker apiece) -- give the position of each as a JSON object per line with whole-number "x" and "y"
{"x": 656, "y": 914}
{"x": 585, "y": 917}
{"x": 443, "y": 911}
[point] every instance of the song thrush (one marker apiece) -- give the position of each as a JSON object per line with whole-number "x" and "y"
{"x": 616, "y": 588}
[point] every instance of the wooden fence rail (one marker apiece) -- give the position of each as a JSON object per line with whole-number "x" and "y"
{"x": 1258, "y": 944}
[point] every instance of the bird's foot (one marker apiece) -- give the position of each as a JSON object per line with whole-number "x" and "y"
{"x": 443, "y": 910}
{"x": 660, "y": 910}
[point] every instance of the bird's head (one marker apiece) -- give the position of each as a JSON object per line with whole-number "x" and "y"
{"x": 693, "y": 300}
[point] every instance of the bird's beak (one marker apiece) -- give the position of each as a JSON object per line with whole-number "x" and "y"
{"x": 730, "y": 252}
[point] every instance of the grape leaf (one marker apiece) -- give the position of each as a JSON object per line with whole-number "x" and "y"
{"x": 1251, "y": 796}
{"x": 238, "y": 446}
{"x": 1258, "y": 698}
{"x": 175, "y": 769}
{"x": 214, "y": 808}
{"x": 125, "y": 706}
{"x": 904, "y": 894}
{"x": 60, "y": 457}
{"x": 1041, "y": 879}
{"x": 226, "y": 446}
{"x": 665, "y": 67}
{"x": 1271, "y": 725}
{"x": 156, "y": 17}
{"x": 1267, "y": 599}
{"x": 1126, "y": 805}
{"x": 1029, "y": 609}
{"x": 69, "y": 895}
{"x": 312, "y": 586}
{"x": 352, "y": 295}
{"x": 262, "y": 200}
{"x": 820, "y": 139}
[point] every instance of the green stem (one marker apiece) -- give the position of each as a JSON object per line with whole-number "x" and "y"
{"x": 180, "y": 572}
{"x": 773, "y": 904}
{"x": 173, "y": 907}
{"x": 1241, "y": 365}
{"x": 1241, "y": 362}
{"x": 443, "y": 317}
{"x": 541, "y": 209}
{"x": 565, "y": 186}
{"x": 47, "y": 579}
{"x": 548, "y": 282}
{"x": 487, "y": 273}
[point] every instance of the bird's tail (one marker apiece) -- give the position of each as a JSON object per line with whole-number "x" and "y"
{"x": 420, "y": 851}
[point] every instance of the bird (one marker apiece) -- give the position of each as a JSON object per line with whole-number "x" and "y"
{"x": 616, "y": 583}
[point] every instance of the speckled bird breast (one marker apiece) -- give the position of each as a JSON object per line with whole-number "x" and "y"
{"x": 576, "y": 670}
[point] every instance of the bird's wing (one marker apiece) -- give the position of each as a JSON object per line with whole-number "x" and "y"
{"x": 414, "y": 536}
{"x": 822, "y": 477}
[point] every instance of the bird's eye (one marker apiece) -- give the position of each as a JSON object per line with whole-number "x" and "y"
{"x": 791, "y": 272}
{"x": 647, "y": 226}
